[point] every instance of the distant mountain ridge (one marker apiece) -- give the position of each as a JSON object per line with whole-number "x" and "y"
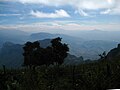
{"x": 96, "y": 35}
{"x": 44, "y": 35}
{"x": 15, "y": 36}
{"x": 11, "y": 54}
{"x": 78, "y": 46}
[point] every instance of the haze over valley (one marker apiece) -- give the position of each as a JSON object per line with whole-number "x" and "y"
{"x": 88, "y": 46}
{"x": 59, "y": 44}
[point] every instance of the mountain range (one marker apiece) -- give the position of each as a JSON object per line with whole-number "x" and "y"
{"x": 89, "y": 49}
{"x": 11, "y": 54}
{"x": 11, "y": 43}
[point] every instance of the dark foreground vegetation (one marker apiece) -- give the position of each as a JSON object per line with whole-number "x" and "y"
{"x": 98, "y": 75}
{"x": 52, "y": 74}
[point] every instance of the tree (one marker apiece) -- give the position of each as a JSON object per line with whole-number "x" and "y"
{"x": 31, "y": 53}
{"x": 103, "y": 55}
{"x": 59, "y": 50}
{"x": 34, "y": 55}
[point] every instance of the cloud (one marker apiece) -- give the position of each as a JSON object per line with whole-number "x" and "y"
{"x": 115, "y": 11}
{"x": 57, "y": 14}
{"x": 57, "y": 26}
{"x": 106, "y": 11}
{"x": 84, "y": 7}
{"x": 112, "y": 11}
{"x": 93, "y": 4}
{"x": 79, "y": 5}
{"x": 82, "y": 4}
{"x": 10, "y": 14}
{"x": 82, "y": 13}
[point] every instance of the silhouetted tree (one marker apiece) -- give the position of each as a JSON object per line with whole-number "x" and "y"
{"x": 34, "y": 55}
{"x": 103, "y": 55}
{"x": 31, "y": 53}
{"x": 59, "y": 50}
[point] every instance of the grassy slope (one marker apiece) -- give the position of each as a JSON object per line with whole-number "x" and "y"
{"x": 88, "y": 76}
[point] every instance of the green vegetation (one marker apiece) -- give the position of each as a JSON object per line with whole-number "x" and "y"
{"x": 101, "y": 74}
{"x": 35, "y": 55}
{"x": 98, "y": 75}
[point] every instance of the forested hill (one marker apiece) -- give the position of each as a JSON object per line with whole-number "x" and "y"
{"x": 88, "y": 48}
{"x": 37, "y": 74}
{"x": 11, "y": 55}
{"x": 98, "y": 75}
{"x": 114, "y": 53}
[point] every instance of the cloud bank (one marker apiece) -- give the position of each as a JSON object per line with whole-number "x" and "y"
{"x": 111, "y": 7}
{"x": 57, "y": 14}
{"x": 10, "y": 14}
{"x": 58, "y": 26}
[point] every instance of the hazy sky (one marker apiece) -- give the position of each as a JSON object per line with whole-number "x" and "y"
{"x": 41, "y": 15}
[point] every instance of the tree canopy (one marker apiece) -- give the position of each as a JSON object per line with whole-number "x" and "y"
{"x": 35, "y": 55}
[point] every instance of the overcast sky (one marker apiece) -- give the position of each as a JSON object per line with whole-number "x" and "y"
{"x": 60, "y": 14}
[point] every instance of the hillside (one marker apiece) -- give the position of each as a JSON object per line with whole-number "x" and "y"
{"x": 114, "y": 53}
{"x": 88, "y": 76}
{"x": 89, "y": 49}
{"x": 11, "y": 55}
{"x": 15, "y": 36}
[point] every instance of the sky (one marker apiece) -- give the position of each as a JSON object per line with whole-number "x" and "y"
{"x": 44, "y": 15}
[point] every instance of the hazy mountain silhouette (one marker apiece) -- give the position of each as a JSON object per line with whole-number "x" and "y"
{"x": 89, "y": 49}
{"x": 73, "y": 60}
{"x": 11, "y": 54}
{"x": 15, "y": 36}
{"x": 43, "y": 35}
{"x": 78, "y": 46}
{"x": 96, "y": 35}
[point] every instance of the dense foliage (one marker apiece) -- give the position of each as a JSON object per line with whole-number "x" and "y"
{"x": 101, "y": 74}
{"x": 35, "y": 55}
